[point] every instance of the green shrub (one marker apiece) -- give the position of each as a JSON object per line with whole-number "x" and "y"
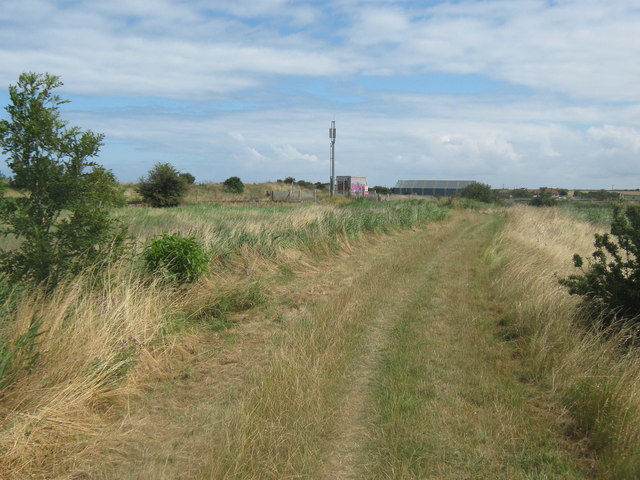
{"x": 478, "y": 191}
{"x": 543, "y": 200}
{"x": 162, "y": 187}
{"x": 521, "y": 193}
{"x": 233, "y": 185}
{"x": 177, "y": 258}
{"x": 610, "y": 284}
{"x": 188, "y": 178}
{"x": 382, "y": 190}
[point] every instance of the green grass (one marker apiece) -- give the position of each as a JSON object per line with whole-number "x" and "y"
{"x": 108, "y": 322}
{"x": 587, "y": 373}
{"x": 226, "y": 229}
{"x": 448, "y": 401}
{"x": 597, "y": 213}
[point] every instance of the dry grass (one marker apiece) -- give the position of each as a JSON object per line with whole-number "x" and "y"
{"x": 588, "y": 373}
{"x": 89, "y": 339}
{"x": 98, "y": 346}
{"x": 104, "y": 336}
{"x": 215, "y": 192}
{"x": 282, "y": 426}
{"x": 448, "y": 404}
{"x": 398, "y": 375}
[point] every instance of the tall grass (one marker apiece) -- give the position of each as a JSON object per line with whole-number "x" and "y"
{"x": 214, "y": 192}
{"x": 95, "y": 339}
{"x": 597, "y": 213}
{"x": 268, "y": 230}
{"x": 588, "y": 373}
{"x": 89, "y": 338}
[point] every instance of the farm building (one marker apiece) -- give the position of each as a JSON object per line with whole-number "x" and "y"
{"x": 352, "y": 185}
{"x": 434, "y": 188}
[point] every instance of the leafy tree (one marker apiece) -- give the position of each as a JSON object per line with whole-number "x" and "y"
{"x": 521, "y": 193}
{"x": 233, "y": 185}
{"x": 62, "y": 221}
{"x": 162, "y": 187}
{"x": 188, "y": 178}
{"x": 304, "y": 184}
{"x": 289, "y": 180}
{"x": 610, "y": 283}
{"x": 478, "y": 191}
{"x": 320, "y": 185}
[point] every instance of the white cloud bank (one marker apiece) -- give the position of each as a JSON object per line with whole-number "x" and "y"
{"x": 249, "y": 87}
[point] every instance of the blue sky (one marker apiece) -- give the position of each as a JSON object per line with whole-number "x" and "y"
{"x": 516, "y": 93}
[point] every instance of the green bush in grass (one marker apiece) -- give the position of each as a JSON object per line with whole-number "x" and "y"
{"x": 177, "y": 258}
{"x": 163, "y": 187}
{"x": 610, "y": 283}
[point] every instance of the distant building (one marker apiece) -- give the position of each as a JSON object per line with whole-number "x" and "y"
{"x": 434, "y": 188}
{"x": 356, "y": 186}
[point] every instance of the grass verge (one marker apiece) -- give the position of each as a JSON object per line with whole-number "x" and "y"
{"x": 587, "y": 373}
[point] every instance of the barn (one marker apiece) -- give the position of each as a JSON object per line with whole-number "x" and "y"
{"x": 434, "y": 188}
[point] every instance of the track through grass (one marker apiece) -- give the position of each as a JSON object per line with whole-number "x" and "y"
{"x": 387, "y": 362}
{"x": 447, "y": 403}
{"x": 400, "y": 374}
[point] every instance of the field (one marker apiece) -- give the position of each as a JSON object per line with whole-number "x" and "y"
{"x": 356, "y": 340}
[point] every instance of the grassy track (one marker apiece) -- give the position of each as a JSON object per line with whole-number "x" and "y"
{"x": 385, "y": 361}
{"x": 447, "y": 403}
{"x": 400, "y": 374}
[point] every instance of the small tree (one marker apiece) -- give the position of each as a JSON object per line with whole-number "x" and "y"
{"x": 478, "y": 191}
{"x": 162, "y": 187}
{"x": 188, "y": 178}
{"x": 521, "y": 193}
{"x": 610, "y": 283}
{"x": 233, "y": 185}
{"x": 62, "y": 221}
{"x": 545, "y": 199}
{"x": 304, "y": 184}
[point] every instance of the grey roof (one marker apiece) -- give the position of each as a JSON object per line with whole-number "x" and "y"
{"x": 443, "y": 184}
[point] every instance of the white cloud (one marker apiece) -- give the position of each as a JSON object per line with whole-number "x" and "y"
{"x": 232, "y": 71}
{"x": 615, "y": 140}
{"x": 289, "y": 153}
{"x": 581, "y": 48}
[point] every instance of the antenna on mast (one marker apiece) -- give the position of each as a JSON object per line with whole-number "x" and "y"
{"x": 332, "y": 137}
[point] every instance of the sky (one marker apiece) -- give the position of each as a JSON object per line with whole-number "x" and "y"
{"x": 513, "y": 93}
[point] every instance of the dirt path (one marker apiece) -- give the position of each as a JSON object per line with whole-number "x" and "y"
{"x": 421, "y": 387}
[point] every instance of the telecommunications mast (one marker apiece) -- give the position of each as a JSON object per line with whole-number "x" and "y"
{"x": 332, "y": 136}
